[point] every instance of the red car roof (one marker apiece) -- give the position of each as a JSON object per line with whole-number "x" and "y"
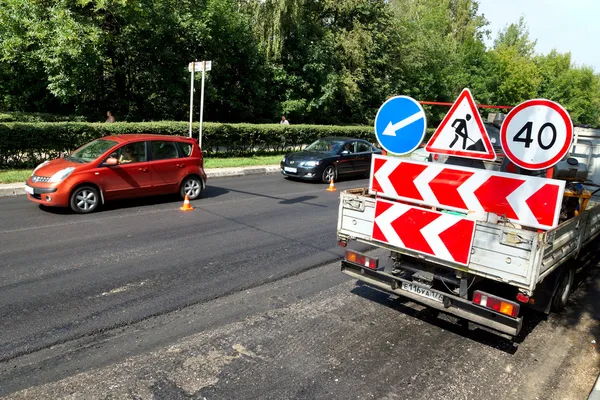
{"x": 144, "y": 136}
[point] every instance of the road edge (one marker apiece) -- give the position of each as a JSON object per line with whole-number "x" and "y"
{"x": 595, "y": 392}
{"x": 18, "y": 189}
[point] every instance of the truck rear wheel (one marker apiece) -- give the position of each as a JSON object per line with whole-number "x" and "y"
{"x": 563, "y": 291}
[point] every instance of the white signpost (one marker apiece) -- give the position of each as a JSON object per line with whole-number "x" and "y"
{"x": 203, "y": 66}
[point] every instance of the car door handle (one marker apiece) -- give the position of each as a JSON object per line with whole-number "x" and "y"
{"x": 143, "y": 169}
{"x": 180, "y": 165}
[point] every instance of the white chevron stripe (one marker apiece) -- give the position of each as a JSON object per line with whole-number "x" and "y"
{"x": 422, "y": 184}
{"x": 383, "y": 177}
{"x": 384, "y": 221}
{"x": 517, "y": 200}
{"x": 432, "y": 234}
{"x": 468, "y": 188}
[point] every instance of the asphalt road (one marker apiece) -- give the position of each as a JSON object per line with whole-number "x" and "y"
{"x": 64, "y": 276}
{"x": 240, "y": 298}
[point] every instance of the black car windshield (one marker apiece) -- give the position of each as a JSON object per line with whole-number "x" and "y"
{"x": 91, "y": 151}
{"x": 493, "y": 133}
{"x": 325, "y": 146}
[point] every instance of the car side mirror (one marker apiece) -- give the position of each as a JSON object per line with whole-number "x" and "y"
{"x": 111, "y": 161}
{"x": 345, "y": 152}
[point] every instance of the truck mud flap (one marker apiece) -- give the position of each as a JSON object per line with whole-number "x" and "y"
{"x": 454, "y": 305}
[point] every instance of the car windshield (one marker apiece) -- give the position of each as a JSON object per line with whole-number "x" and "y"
{"x": 325, "y": 146}
{"x": 91, "y": 151}
{"x": 493, "y": 133}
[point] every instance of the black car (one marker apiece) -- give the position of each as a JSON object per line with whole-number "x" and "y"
{"x": 329, "y": 158}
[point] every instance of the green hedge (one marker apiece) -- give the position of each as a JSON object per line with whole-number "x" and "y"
{"x": 26, "y": 144}
{"x": 14, "y": 116}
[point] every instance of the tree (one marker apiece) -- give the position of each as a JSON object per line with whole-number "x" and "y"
{"x": 516, "y": 75}
{"x": 516, "y": 36}
{"x": 575, "y": 88}
{"x": 131, "y": 56}
{"x": 320, "y": 61}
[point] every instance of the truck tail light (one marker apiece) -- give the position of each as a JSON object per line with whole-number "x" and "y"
{"x": 496, "y": 303}
{"x": 522, "y": 298}
{"x": 358, "y": 258}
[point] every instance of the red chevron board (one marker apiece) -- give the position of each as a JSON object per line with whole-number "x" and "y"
{"x": 444, "y": 236}
{"x": 526, "y": 200}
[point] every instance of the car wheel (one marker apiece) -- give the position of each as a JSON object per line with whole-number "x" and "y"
{"x": 84, "y": 199}
{"x": 565, "y": 286}
{"x": 192, "y": 186}
{"x": 328, "y": 174}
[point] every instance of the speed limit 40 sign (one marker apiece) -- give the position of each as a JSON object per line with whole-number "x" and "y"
{"x": 536, "y": 134}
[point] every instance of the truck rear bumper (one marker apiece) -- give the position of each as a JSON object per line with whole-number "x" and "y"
{"x": 454, "y": 305}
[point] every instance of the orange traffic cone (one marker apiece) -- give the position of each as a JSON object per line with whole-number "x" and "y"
{"x": 186, "y": 204}
{"x": 331, "y": 187}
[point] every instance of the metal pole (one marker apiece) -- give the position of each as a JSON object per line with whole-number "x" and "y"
{"x": 202, "y": 102}
{"x": 192, "y": 98}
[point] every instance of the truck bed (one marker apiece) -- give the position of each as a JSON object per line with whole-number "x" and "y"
{"x": 501, "y": 251}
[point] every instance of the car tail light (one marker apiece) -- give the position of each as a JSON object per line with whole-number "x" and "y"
{"x": 436, "y": 157}
{"x": 361, "y": 259}
{"x": 496, "y": 303}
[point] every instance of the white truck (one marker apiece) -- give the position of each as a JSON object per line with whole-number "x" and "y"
{"x": 510, "y": 266}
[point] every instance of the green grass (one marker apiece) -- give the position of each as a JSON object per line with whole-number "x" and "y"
{"x": 21, "y": 175}
{"x": 241, "y": 161}
{"x": 14, "y": 175}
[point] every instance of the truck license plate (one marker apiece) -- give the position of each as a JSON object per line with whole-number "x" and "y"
{"x": 421, "y": 291}
{"x": 290, "y": 169}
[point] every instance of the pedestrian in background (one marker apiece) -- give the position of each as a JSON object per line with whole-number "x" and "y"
{"x": 284, "y": 121}
{"x": 109, "y": 118}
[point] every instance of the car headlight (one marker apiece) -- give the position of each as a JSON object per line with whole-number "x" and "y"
{"x": 311, "y": 163}
{"x": 39, "y": 166}
{"x": 61, "y": 175}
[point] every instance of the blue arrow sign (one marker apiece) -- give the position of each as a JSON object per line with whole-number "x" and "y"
{"x": 400, "y": 125}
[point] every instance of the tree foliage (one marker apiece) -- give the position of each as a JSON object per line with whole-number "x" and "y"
{"x": 318, "y": 61}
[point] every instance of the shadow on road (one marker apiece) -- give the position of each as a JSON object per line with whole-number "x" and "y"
{"x": 208, "y": 193}
{"x": 436, "y": 318}
{"x": 283, "y": 200}
{"x": 582, "y": 312}
{"x": 583, "y": 308}
{"x": 319, "y": 182}
{"x": 213, "y": 191}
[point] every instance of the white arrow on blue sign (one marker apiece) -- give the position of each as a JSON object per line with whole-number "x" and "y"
{"x": 400, "y": 125}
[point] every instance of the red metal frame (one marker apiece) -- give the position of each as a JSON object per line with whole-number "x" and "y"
{"x": 441, "y": 103}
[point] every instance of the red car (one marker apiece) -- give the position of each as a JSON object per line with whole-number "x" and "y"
{"x": 118, "y": 167}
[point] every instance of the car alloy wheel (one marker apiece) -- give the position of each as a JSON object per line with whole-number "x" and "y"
{"x": 84, "y": 200}
{"x": 328, "y": 174}
{"x": 192, "y": 187}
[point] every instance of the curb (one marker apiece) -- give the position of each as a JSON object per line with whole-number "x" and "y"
{"x": 18, "y": 189}
{"x": 224, "y": 172}
{"x": 12, "y": 189}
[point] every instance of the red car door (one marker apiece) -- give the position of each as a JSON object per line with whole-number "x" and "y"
{"x": 168, "y": 167}
{"x": 131, "y": 177}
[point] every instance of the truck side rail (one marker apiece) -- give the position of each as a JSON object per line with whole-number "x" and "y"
{"x": 567, "y": 240}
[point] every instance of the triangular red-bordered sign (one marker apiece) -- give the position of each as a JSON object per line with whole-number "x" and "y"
{"x": 462, "y": 133}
